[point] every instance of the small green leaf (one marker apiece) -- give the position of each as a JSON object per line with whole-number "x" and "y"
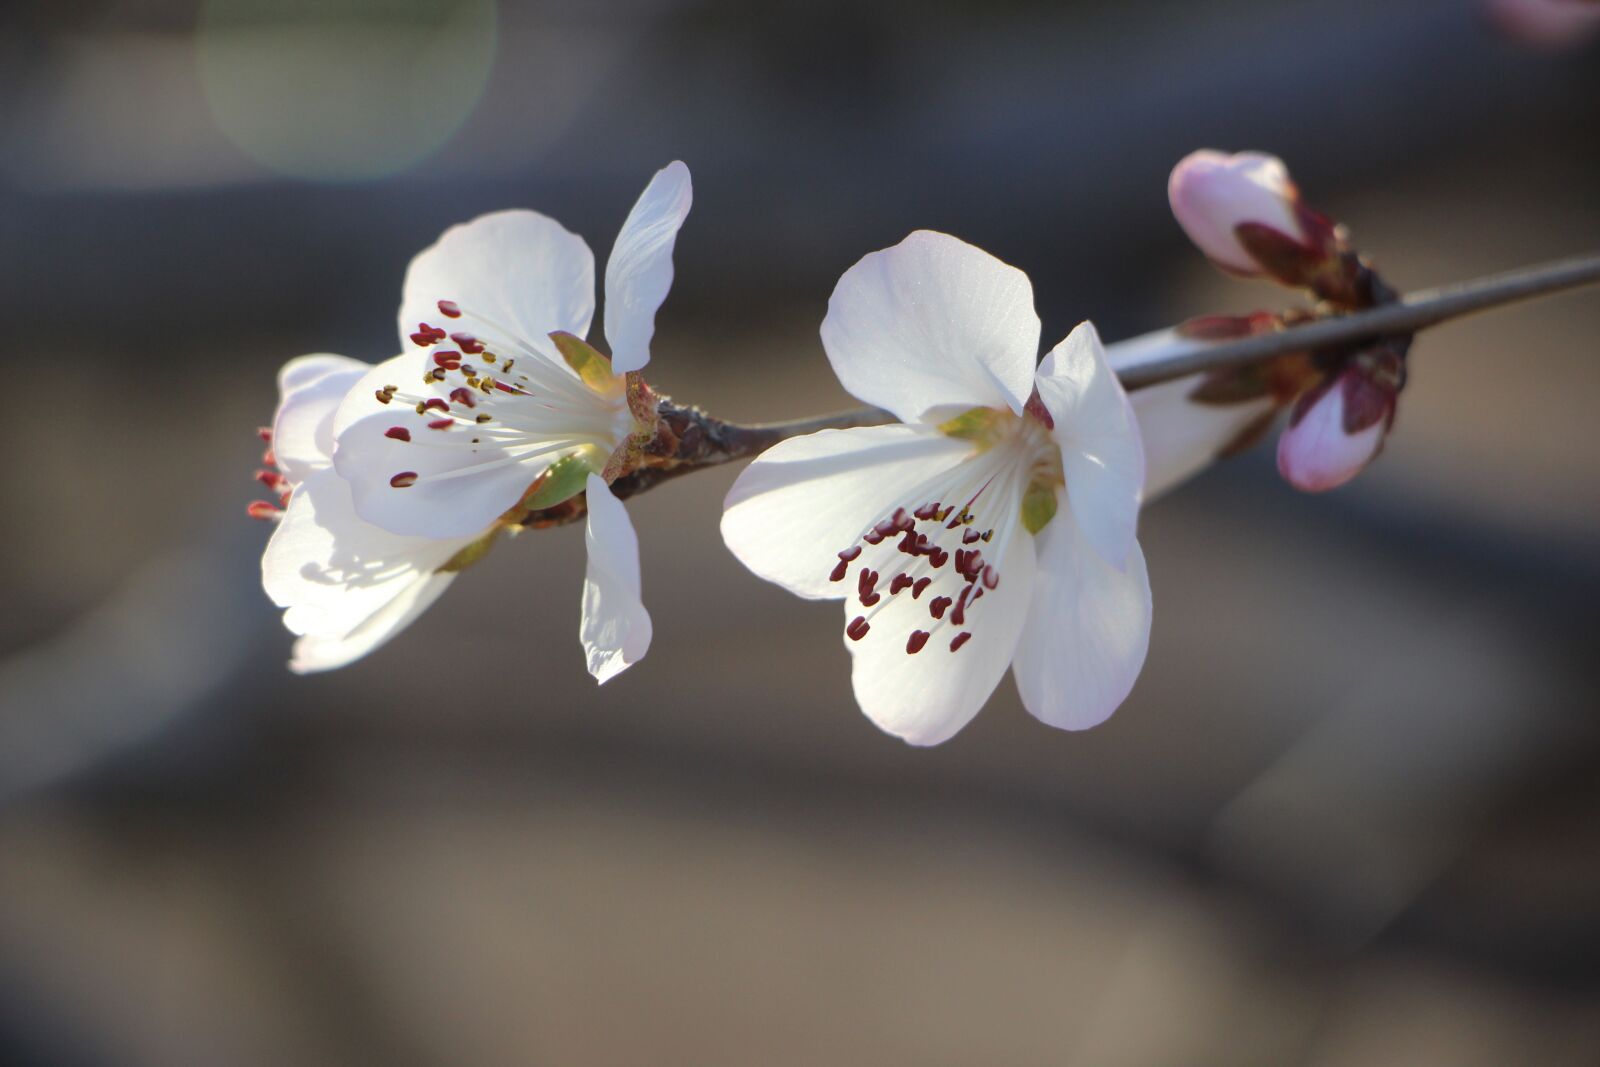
{"x": 1038, "y": 506}
{"x": 472, "y": 553}
{"x": 980, "y": 425}
{"x": 592, "y": 366}
{"x": 561, "y": 481}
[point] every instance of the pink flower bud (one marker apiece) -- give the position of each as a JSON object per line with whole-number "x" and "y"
{"x": 1213, "y": 193}
{"x": 1551, "y": 24}
{"x": 1335, "y": 431}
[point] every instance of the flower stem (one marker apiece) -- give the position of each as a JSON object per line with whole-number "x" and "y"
{"x": 1411, "y": 313}
{"x": 1416, "y": 311}
{"x": 689, "y": 439}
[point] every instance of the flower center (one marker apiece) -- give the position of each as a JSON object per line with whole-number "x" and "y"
{"x": 942, "y": 545}
{"x": 497, "y": 391}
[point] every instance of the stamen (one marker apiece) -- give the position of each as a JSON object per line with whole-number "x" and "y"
{"x": 261, "y": 509}
{"x": 398, "y": 433}
{"x": 857, "y": 629}
{"x": 915, "y": 642}
{"x": 404, "y": 479}
{"x": 960, "y": 639}
{"x": 449, "y": 309}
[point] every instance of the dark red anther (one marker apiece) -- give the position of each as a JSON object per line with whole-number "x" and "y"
{"x": 960, "y": 639}
{"x": 865, "y": 582}
{"x": 261, "y": 509}
{"x": 873, "y": 537}
{"x": 915, "y": 642}
{"x": 449, "y": 309}
{"x": 839, "y": 571}
{"x": 271, "y": 479}
{"x": 918, "y": 586}
{"x": 462, "y": 395}
{"x": 937, "y": 606}
{"x": 937, "y": 558}
{"x": 871, "y": 599}
{"x": 857, "y": 628}
{"x": 504, "y": 388}
{"x": 970, "y": 535}
{"x": 850, "y": 553}
{"x": 269, "y": 458}
{"x": 908, "y": 542}
{"x": 448, "y": 359}
{"x": 434, "y": 403}
{"x": 899, "y": 582}
{"x": 265, "y": 433}
{"x": 959, "y": 615}
{"x": 467, "y": 342}
{"x": 427, "y": 335}
{"x": 991, "y": 577}
{"x": 404, "y": 479}
{"x": 441, "y": 424}
{"x": 927, "y": 511}
{"x": 398, "y": 433}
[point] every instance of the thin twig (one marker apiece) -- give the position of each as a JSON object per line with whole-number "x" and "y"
{"x": 1411, "y": 313}
{"x": 1417, "y": 311}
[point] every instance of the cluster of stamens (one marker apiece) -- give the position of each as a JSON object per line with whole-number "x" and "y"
{"x": 917, "y": 536}
{"x": 273, "y": 479}
{"x": 479, "y": 383}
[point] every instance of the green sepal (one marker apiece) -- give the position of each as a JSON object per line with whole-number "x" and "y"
{"x": 593, "y": 366}
{"x": 560, "y": 482}
{"x": 471, "y": 554}
{"x": 1038, "y": 506}
{"x": 979, "y": 425}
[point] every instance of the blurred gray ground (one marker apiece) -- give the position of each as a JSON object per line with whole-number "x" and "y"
{"x": 1348, "y": 816}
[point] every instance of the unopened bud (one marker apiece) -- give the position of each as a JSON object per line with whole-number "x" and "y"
{"x": 1213, "y": 194}
{"x": 1336, "y": 429}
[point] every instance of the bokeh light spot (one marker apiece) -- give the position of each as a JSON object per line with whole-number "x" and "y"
{"x": 343, "y": 90}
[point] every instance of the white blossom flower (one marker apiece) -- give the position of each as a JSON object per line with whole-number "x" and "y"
{"x": 994, "y": 526}
{"x": 496, "y": 405}
{"x": 347, "y": 586}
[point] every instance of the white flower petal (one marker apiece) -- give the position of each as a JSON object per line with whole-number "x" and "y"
{"x": 1182, "y": 437}
{"x": 459, "y": 489}
{"x": 303, "y": 371}
{"x": 927, "y": 697}
{"x": 615, "y": 628}
{"x": 360, "y": 400}
{"x": 806, "y": 499}
{"x": 318, "y": 652}
{"x": 310, "y": 390}
{"x": 933, "y": 321}
{"x": 335, "y": 573}
{"x": 639, "y": 272}
{"x": 1102, "y": 456}
{"x": 1088, "y": 630}
{"x": 518, "y": 275}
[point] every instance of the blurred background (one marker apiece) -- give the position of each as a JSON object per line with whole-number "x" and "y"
{"x": 1348, "y": 817}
